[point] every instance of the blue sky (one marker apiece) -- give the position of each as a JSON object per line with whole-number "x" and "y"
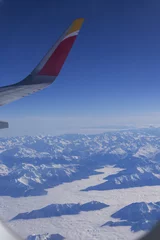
{"x": 112, "y": 74}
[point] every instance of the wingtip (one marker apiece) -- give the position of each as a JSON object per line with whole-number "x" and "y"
{"x": 79, "y": 22}
{"x": 79, "y": 19}
{"x": 76, "y": 25}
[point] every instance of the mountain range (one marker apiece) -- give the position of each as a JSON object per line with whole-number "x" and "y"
{"x": 56, "y": 210}
{"x": 30, "y": 165}
{"x": 140, "y": 216}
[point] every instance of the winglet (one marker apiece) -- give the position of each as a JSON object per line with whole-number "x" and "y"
{"x": 52, "y": 63}
{"x": 75, "y": 27}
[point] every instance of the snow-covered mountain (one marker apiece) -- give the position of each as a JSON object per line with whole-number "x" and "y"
{"x": 46, "y": 236}
{"x": 138, "y": 174}
{"x": 48, "y": 180}
{"x": 56, "y": 210}
{"x": 30, "y": 165}
{"x": 140, "y": 216}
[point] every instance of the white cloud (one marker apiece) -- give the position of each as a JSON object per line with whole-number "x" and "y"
{"x": 74, "y": 124}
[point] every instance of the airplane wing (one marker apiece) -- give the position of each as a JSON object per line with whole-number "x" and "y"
{"x": 45, "y": 72}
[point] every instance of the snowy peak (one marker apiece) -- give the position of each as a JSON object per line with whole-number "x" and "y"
{"x": 46, "y": 236}
{"x": 140, "y": 216}
{"x": 55, "y": 210}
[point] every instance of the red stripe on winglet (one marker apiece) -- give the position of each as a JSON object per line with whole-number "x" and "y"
{"x": 57, "y": 59}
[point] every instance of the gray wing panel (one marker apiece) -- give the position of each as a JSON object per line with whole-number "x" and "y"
{"x": 24, "y": 88}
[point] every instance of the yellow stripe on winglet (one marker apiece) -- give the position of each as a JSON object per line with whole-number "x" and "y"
{"x": 76, "y": 25}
